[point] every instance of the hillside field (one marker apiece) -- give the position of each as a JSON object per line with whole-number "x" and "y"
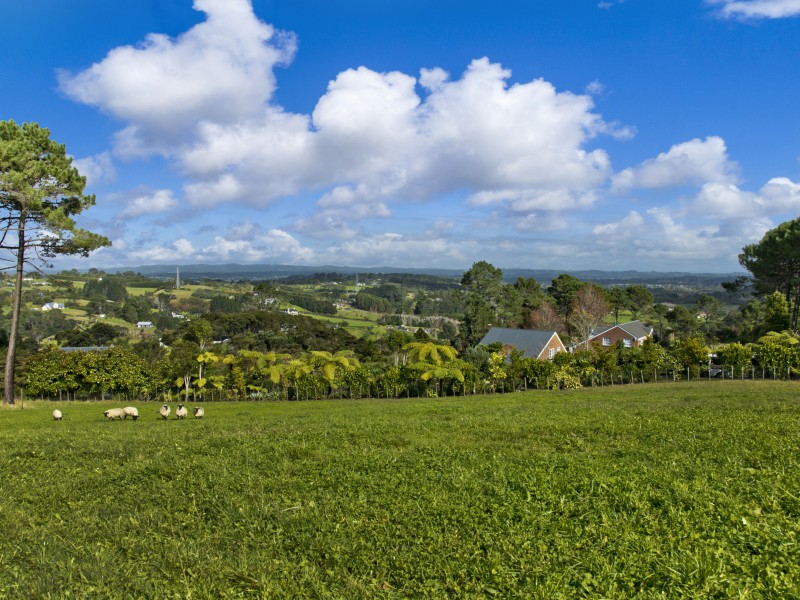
{"x": 687, "y": 490}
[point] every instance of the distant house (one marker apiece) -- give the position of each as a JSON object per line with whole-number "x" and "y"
{"x": 542, "y": 345}
{"x": 144, "y": 324}
{"x": 84, "y": 348}
{"x": 53, "y": 306}
{"x": 631, "y": 334}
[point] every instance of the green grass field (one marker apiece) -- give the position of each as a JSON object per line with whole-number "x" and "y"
{"x": 662, "y": 491}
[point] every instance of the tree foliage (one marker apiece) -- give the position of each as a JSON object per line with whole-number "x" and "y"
{"x": 40, "y": 193}
{"x": 774, "y": 263}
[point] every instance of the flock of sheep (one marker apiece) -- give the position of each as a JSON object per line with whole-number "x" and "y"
{"x": 131, "y": 411}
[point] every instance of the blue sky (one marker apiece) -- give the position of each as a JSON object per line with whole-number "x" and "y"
{"x": 638, "y": 134}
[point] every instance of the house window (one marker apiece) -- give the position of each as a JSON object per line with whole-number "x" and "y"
{"x": 551, "y": 353}
{"x": 627, "y": 343}
{"x": 606, "y": 341}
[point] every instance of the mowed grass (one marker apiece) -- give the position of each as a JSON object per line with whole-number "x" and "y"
{"x": 663, "y": 491}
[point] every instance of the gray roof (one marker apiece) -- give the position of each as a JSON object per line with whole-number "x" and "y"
{"x": 84, "y": 348}
{"x": 530, "y": 341}
{"x": 635, "y": 329}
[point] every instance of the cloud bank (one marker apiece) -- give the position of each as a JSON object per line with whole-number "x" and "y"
{"x": 523, "y": 157}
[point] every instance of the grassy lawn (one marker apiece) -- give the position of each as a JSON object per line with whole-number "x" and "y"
{"x": 663, "y": 491}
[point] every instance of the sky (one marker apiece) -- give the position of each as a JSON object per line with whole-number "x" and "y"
{"x": 644, "y": 135}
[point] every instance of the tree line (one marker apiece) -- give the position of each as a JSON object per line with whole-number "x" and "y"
{"x": 191, "y": 370}
{"x": 41, "y": 192}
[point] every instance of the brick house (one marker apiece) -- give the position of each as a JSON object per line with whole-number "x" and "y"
{"x": 542, "y": 345}
{"x": 631, "y": 334}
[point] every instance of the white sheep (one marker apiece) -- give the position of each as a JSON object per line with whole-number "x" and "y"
{"x": 131, "y": 411}
{"x": 164, "y": 411}
{"x": 198, "y": 412}
{"x": 181, "y": 412}
{"x": 57, "y": 416}
{"x": 114, "y": 413}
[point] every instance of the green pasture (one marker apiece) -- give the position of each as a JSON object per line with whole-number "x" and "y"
{"x": 688, "y": 490}
{"x": 141, "y": 291}
{"x": 358, "y": 321}
{"x": 186, "y": 290}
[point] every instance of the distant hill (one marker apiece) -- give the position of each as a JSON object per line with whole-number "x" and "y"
{"x": 543, "y": 276}
{"x": 264, "y": 271}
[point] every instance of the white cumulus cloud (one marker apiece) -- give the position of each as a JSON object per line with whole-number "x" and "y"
{"x": 180, "y": 249}
{"x": 159, "y": 201}
{"x": 757, "y": 9}
{"x": 97, "y": 169}
{"x": 628, "y": 228}
{"x": 690, "y": 163}
{"x": 219, "y": 70}
{"x": 248, "y": 244}
{"x": 780, "y": 196}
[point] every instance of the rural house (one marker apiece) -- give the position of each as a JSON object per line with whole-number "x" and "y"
{"x": 631, "y": 334}
{"x": 542, "y": 345}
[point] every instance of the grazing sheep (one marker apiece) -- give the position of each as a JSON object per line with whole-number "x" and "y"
{"x": 164, "y": 411}
{"x": 114, "y": 413}
{"x": 131, "y": 411}
{"x": 181, "y": 412}
{"x": 57, "y": 416}
{"x": 198, "y": 412}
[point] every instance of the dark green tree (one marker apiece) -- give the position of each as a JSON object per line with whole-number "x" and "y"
{"x": 105, "y": 288}
{"x": 617, "y": 300}
{"x": 681, "y": 321}
{"x": 99, "y": 334}
{"x": 639, "y": 300}
{"x": 478, "y": 318}
{"x": 484, "y": 279}
{"x": 774, "y": 263}
{"x": 563, "y": 290}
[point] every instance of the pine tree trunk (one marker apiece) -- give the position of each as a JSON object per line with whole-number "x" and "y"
{"x": 8, "y": 375}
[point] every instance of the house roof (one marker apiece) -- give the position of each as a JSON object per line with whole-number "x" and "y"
{"x": 84, "y": 348}
{"x": 635, "y": 329}
{"x": 530, "y": 341}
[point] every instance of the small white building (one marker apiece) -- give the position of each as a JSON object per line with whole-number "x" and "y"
{"x": 53, "y": 306}
{"x": 144, "y": 324}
